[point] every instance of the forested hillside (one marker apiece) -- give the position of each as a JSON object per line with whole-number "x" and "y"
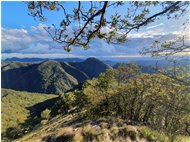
{"x": 122, "y": 104}
{"x": 49, "y": 76}
{"x": 91, "y": 66}
{"x": 20, "y": 110}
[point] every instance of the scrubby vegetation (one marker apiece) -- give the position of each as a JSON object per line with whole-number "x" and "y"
{"x": 156, "y": 100}
{"x": 122, "y": 104}
{"x": 109, "y": 129}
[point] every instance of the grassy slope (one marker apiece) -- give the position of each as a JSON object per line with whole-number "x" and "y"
{"x": 48, "y": 129}
{"x": 14, "y": 106}
{"x": 62, "y": 126}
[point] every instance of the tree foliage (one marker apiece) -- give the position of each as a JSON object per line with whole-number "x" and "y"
{"x": 45, "y": 114}
{"x": 92, "y": 20}
{"x": 151, "y": 99}
{"x": 65, "y": 103}
{"x": 125, "y": 71}
{"x": 179, "y": 45}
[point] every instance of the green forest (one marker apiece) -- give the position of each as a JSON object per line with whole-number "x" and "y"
{"x": 15, "y": 111}
{"x": 124, "y": 103}
{"x": 153, "y": 100}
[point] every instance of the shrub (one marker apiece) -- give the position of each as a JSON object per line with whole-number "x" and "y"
{"x": 132, "y": 135}
{"x": 114, "y": 130}
{"x": 104, "y": 125}
{"x": 103, "y": 136}
{"x": 64, "y": 134}
{"x": 43, "y": 122}
{"x": 131, "y": 132}
{"x": 13, "y": 133}
{"x": 152, "y": 135}
{"x": 182, "y": 139}
{"x": 78, "y": 138}
{"x": 120, "y": 122}
{"x": 45, "y": 114}
{"x": 88, "y": 132}
{"x": 66, "y": 131}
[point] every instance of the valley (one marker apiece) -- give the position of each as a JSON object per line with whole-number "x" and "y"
{"x": 90, "y": 100}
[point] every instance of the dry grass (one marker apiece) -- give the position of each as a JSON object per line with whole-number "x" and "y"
{"x": 78, "y": 138}
{"x": 67, "y": 131}
{"x": 92, "y": 132}
{"x": 104, "y": 125}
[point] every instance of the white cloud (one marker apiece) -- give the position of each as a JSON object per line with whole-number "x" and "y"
{"x": 36, "y": 42}
{"x": 147, "y": 34}
{"x": 37, "y": 48}
{"x": 15, "y": 39}
{"x": 21, "y": 55}
{"x": 124, "y": 56}
{"x": 155, "y": 26}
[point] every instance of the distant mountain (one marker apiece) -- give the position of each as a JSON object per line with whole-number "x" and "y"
{"x": 91, "y": 66}
{"x": 49, "y": 76}
{"x": 143, "y": 69}
{"x": 160, "y": 63}
{"x": 110, "y": 63}
{"x": 14, "y": 59}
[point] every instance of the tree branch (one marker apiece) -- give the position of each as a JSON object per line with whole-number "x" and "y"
{"x": 91, "y": 18}
{"x": 154, "y": 16}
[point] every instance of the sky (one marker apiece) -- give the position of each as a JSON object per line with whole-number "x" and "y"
{"x": 24, "y": 36}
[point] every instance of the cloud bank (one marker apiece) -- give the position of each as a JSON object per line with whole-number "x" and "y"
{"x": 35, "y": 42}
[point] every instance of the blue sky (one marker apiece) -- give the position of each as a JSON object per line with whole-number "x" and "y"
{"x": 23, "y": 36}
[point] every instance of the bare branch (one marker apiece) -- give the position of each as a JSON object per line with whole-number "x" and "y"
{"x": 102, "y": 11}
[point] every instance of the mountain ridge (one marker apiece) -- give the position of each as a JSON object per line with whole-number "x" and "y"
{"x": 94, "y": 66}
{"x": 49, "y": 76}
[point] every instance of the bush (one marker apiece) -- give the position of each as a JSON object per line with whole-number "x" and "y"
{"x": 104, "y": 125}
{"x": 182, "y": 139}
{"x": 78, "y": 138}
{"x": 103, "y": 136}
{"x": 13, "y": 133}
{"x": 64, "y": 134}
{"x": 43, "y": 122}
{"x": 88, "y": 132}
{"x": 114, "y": 129}
{"x": 132, "y": 135}
{"x": 152, "y": 135}
{"x": 66, "y": 131}
{"x": 45, "y": 114}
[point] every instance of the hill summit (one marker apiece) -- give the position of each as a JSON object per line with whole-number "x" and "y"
{"x": 91, "y": 66}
